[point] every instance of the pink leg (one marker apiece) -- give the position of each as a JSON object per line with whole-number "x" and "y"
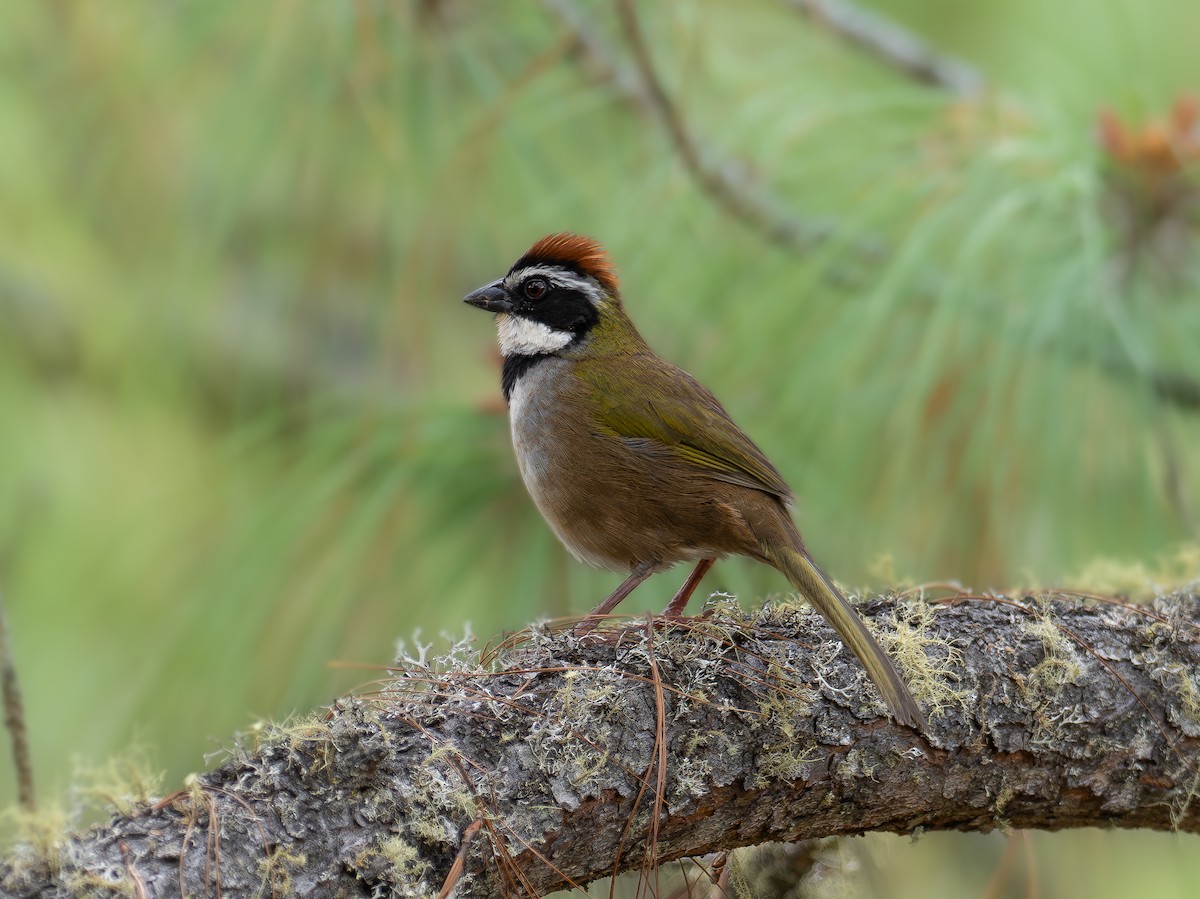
{"x": 627, "y": 586}
{"x": 675, "y": 607}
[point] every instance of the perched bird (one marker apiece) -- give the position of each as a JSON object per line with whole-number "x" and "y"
{"x": 632, "y": 462}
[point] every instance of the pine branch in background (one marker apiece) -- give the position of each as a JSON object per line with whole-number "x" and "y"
{"x": 10, "y": 688}
{"x": 597, "y": 57}
{"x": 732, "y": 193}
{"x": 14, "y": 717}
{"x": 1178, "y": 390}
{"x": 1152, "y": 200}
{"x": 1153, "y": 193}
{"x": 893, "y": 45}
{"x": 642, "y": 88}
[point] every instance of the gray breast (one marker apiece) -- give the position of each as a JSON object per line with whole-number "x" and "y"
{"x": 531, "y": 412}
{"x": 543, "y": 422}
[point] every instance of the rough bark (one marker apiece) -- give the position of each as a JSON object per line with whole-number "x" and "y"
{"x": 567, "y": 758}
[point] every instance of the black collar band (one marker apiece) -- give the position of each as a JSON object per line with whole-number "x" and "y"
{"x": 514, "y": 367}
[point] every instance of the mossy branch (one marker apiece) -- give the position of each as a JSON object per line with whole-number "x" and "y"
{"x": 563, "y": 758}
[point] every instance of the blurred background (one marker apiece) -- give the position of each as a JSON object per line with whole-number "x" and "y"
{"x": 247, "y": 428}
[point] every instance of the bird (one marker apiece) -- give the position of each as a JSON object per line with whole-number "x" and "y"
{"x": 633, "y": 463}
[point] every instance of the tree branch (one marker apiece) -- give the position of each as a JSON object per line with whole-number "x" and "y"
{"x": 892, "y": 44}
{"x": 568, "y": 758}
{"x": 721, "y": 182}
{"x": 596, "y": 57}
{"x": 14, "y": 717}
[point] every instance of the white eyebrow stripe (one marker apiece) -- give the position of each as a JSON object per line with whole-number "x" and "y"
{"x": 560, "y": 276}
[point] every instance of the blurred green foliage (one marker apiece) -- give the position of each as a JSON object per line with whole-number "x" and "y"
{"x": 248, "y": 429}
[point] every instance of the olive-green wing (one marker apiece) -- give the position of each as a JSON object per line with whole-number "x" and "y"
{"x": 659, "y": 408}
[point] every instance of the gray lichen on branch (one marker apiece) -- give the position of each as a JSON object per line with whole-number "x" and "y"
{"x": 568, "y": 758}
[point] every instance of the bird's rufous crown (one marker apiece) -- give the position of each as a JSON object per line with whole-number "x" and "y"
{"x": 576, "y": 252}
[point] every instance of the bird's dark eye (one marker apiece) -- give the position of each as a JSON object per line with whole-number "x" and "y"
{"x": 535, "y": 288}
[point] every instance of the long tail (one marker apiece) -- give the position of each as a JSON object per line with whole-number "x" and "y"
{"x": 816, "y": 586}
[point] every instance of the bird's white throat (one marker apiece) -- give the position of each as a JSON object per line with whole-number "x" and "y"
{"x": 525, "y": 337}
